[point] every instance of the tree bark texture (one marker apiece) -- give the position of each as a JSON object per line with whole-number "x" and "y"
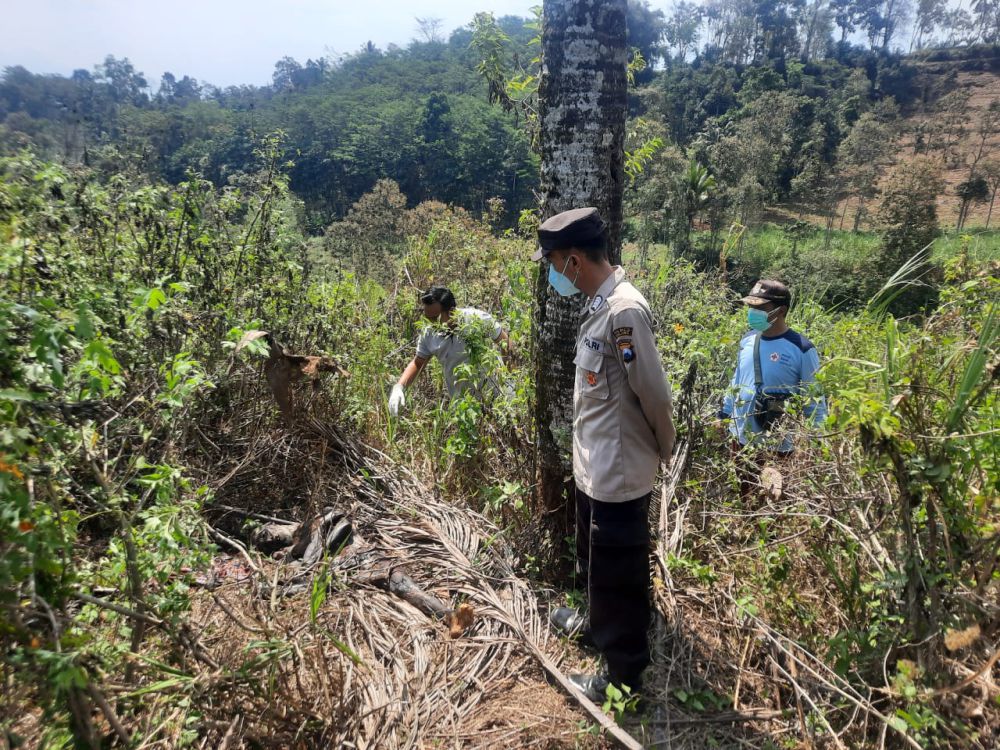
{"x": 582, "y": 103}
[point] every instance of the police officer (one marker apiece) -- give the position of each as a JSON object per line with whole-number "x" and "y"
{"x": 622, "y": 430}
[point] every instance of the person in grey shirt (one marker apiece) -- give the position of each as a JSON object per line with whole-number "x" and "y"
{"x": 446, "y": 341}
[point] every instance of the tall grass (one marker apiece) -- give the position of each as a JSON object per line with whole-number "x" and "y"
{"x": 908, "y": 276}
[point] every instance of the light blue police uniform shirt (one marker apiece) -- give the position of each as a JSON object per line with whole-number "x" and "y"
{"x": 788, "y": 367}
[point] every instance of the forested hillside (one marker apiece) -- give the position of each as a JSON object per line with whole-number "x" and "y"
{"x": 418, "y": 116}
{"x": 773, "y": 115}
{"x": 216, "y": 531}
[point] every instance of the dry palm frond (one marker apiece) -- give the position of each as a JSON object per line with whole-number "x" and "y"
{"x": 400, "y": 676}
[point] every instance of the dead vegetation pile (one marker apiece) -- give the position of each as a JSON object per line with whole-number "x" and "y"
{"x": 415, "y": 629}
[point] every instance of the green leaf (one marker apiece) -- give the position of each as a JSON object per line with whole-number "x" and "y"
{"x": 343, "y": 648}
{"x": 899, "y": 723}
{"x": 317, "y": 596}
{"x": 84, "y": 327}
{"x": 11, "y": 394}
{"x": 155, "y": 298}
{"x": 100, "y": 351}
{"x": 976, "y": 371}
{"x": 160, "y": 686}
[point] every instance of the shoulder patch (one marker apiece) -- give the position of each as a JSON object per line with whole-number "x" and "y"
{"x": 623, "y": 340}
{"x": 627, "y": 349}
{"x": 799, "y": 340}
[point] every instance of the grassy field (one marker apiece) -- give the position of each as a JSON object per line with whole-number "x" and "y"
{"x": 770, "y": 245}
{"x": 835, "y": 271}
{"x": 983, "y": 245}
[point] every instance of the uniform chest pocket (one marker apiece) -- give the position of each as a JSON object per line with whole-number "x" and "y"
{"x": 591, "y": 376}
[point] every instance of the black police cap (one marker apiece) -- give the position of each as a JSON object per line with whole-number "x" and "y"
{"x": 568, "y": 228}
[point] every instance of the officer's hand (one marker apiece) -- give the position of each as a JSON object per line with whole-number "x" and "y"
{"x": 396, "y": 400}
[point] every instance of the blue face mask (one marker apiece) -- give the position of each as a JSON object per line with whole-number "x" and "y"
{"x": 563, "y": 286}
{"x": 759, "y": 320}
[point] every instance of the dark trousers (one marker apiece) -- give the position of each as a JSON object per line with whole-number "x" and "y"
{"x": 612, "y": 547}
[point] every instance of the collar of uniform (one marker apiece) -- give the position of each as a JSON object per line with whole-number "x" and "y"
{"x": 606, "y": 288}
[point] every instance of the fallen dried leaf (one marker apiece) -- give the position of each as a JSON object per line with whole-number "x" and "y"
{"x": 461, "y": 620}
{"x": 959, "y": 639}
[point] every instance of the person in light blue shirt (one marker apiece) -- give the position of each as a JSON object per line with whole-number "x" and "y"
{"x": 788, "y": 365}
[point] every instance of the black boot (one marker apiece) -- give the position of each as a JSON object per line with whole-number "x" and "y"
{"x": 570, "y": 623}
{"x": 591, "y": 685}
{"x": 595, "y": 686}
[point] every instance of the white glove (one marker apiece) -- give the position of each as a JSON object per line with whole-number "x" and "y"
{"x": 396, "y": 400}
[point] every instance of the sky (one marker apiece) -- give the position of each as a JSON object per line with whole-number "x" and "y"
{"x": 222, "y": 42}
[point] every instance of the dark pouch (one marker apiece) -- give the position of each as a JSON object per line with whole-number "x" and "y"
{"x": 768, "y": 410}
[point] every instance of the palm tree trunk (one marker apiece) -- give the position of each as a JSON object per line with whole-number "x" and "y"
{"x": 582, "y": 101}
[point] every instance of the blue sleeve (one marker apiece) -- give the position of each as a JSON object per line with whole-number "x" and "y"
{"x": 815, "y": 407}
{"x": 728, "y": 404}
